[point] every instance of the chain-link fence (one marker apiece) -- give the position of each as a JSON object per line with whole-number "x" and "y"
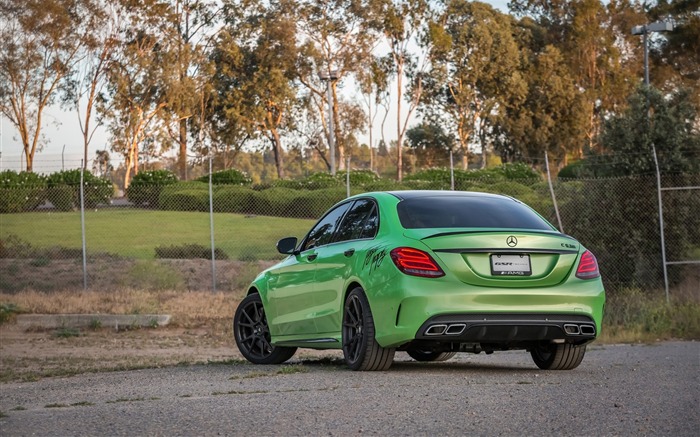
{"x": 160, "y": 237}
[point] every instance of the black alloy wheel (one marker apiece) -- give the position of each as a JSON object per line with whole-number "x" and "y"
{"x": 252, "y": 334}
{"x": 361, "y": 350}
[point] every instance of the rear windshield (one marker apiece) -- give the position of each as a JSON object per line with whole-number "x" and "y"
{"x": 468, "y": 212}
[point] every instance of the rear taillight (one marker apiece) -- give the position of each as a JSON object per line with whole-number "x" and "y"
{"x": 587, "y": 266}
{"x": 416, "y": 262}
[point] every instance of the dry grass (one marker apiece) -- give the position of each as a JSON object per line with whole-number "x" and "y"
{"x": 188, "y": 308}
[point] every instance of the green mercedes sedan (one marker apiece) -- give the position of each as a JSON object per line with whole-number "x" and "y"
{"x": 431, "y": 273}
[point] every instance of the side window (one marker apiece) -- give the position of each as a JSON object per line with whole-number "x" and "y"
{"x": 355, "y": 224}
{"x": 371, "y": 225}
{"x": 323, "y": 231}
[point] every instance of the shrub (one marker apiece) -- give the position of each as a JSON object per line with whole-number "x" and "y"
{"x": 22, "y": 191}
{"x": 184, "y": 200}
{"x": 319, "y": 181}
{"x": 520, "y": 171}
{"x": 227, "y": 177}
{"x": 431, "y": 175}
{"x": 464, "y": 179}
{"x": 146, "y": 186}
{"x": 358, "y": 178}
{"x": 384, "y": 185}
{"x": 510, "y": 188}
{"x": 309, "y": 204}
{"x": 13, "y": 246}
{"x": 189, "y": 251}
{"x": 273, "y": 201}
{"x": 313, "y": 204}
{"x": 64, "y": 189}
{"x": 294, "y": 184}
{"x": 234, "y": 199}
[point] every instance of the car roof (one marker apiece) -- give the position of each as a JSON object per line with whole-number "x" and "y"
{"x": 414, "y": 194}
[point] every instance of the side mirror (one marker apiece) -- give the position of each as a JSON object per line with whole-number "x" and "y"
{"x": 287, "y": 245}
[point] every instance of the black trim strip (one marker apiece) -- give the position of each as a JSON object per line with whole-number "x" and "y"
{"x": 308, "y": 341}
{"x": 509, "y": 250}
{"x": 505, "y": 231}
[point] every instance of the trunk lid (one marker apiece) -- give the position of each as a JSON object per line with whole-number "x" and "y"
{"x": 496, "y": 258}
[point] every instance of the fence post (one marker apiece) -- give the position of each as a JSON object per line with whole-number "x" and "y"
{"x": 661, "y": 220}
{"x": 82, "y": 225}
{"x": 452, "y": 172}
{"x": 551, "y": 190}
{"x": 211, "y": 231}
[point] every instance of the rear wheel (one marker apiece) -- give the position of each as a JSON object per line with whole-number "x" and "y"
{"x": 552, "y": 356}
{"x": 361, "y": 350}
{"x": 428, "y": 355}
{"x": 252, "y": 334}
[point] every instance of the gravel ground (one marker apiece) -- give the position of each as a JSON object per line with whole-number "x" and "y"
{"x": 618, "y": 390}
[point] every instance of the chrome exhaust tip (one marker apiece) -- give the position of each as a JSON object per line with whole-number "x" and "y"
{"x": 572, "y": 329}
{"x": 587, "y": 330}
{"x": 436, "y": 330}
{"x": 456, "y": 329}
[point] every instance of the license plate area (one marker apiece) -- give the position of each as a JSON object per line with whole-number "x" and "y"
{"x": 510, "y": 265}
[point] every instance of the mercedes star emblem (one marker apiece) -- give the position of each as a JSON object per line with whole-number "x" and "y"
{"x": 511, "y": 241}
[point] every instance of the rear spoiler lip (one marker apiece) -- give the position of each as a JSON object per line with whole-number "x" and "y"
{"x": 514, "y": 231}
{"x": 509, "y": 250}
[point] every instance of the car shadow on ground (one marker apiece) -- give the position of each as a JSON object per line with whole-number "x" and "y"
{"x": 443, "y": 366}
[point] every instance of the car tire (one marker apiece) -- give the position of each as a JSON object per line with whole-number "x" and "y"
{"x": 552, "y": 356}
{"x": 252, "y": 334}
{"x": 361, "y": 350}
{"x": 428, "y": 355}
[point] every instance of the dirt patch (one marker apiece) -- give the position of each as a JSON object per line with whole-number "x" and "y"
{"x": 28, "y": 356}
{"x": 31, "y": 355}
{"x": 44, "y": 274}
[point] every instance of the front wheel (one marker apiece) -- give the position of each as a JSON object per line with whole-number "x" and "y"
{"x": 253, "y": 335}
{"x": 552, "y": 356}
{"x": 361, "y": 350}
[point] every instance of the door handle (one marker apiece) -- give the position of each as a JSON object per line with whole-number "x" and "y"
{"x": 312, "y": 257}
{"x": 349, "y": 252}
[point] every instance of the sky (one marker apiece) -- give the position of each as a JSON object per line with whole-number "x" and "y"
{"x": 63, "y": 147}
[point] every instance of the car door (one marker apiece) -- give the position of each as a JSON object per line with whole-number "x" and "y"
{"x": 292, "y": 299}
{"x": 339, "y": 260}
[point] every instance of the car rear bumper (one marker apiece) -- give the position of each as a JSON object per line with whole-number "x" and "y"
{"x": 507, "y": 328}
{"x": 571, "y": 311}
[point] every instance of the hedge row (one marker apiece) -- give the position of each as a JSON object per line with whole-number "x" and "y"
{"x": 25, "y": 191}
{"x": 304, "y": 203}
{"x": 280, "y": 202}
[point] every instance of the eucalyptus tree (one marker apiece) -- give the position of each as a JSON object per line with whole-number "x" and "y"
{"x": 474, "y": 68}
{"x": 402, "y": 23}
{"x": 41, "y": 44}
{"x": 255, "y": 58}
{"x": 86, "y": 83}
{"x": 430, "y": 143}
{"x": 547, "y": 114}
{"x": 337, "y": 39}
{"x": 584, "y": 30}
{"x": 137, "y": 88}
{"x": 374, "y": 86}
{"x": 189, "y": 29}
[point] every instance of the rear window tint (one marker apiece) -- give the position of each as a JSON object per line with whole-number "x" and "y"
{"x": 468, "y": 212}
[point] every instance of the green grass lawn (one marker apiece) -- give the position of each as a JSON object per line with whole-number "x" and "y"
{"x": 135, "y": 233}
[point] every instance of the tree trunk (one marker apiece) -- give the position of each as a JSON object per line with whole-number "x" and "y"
{"x": 339, "y": 146}
{"x": 277, "y": 149}
{"x": 30, "y": 161}
{"x": 182, "y": 156}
